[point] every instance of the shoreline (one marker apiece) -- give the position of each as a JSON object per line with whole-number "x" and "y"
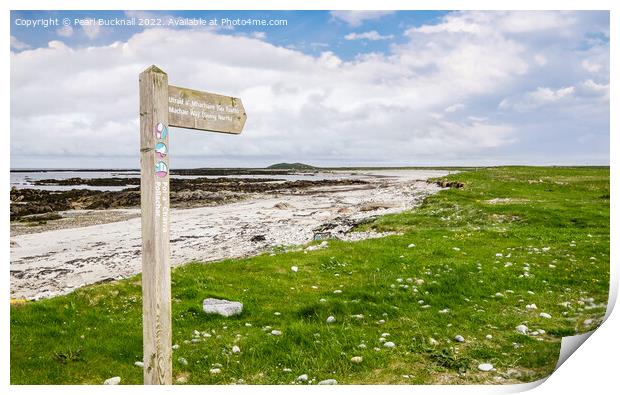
{"x": 57, "y": 261}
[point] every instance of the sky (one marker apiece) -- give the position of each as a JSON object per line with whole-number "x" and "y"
{"x": 340, "y": 88}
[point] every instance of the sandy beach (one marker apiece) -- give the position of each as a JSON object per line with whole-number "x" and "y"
{"x": 61, "y": 259}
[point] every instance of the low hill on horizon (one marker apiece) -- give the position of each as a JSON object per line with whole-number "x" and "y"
{"x": 291, "y": 166}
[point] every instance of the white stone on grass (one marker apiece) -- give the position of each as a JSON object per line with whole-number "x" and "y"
{"x": 459, "y": 338}
{"x": 389, "y": 344}
{"x": 411, "y": 245}
{"x": 522, "y": 329}
{"x": 182, "y": 361}
{"x": 531, "y": 306}
{"x": 112, "y": 381}
{"x": 276, "y": 332}
{"x": 489, "y": 337}
{"x": 545, "y": 315}
{"x": 294, "y": 269}
{"x": 175, "y": 346}
{"x": 328, "y": 382}
{"x": 303, "y": 377}
{"x": 215, "y": 371}
{"x": 139, "y": 364}
{"x": 485, "y": 367}
{"x": 236, "y": 349}
{"x": 433, "y": 342}
{"x": 357, "y": 359}
{"x": 331, "y": 319}
{"x": 222, "y": 307}
{"x": 338, "y": 291}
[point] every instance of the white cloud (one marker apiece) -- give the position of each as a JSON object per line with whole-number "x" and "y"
{"x": 91, "y": 30}
{"x": 540, "y": 59}
{"x": 535, "y": 99}
{"x": 372, "y": 35}
{"x": 455, "y": 107}
{"x": 65, "y": 31}
{"x": 356, "y": 18}
{"x": 259, "y": 35}
{"x": 431, "y": 100}
{"x": 591, "y": 66}
{"x": 18, "y": 45}
{"x": 511, "y": 22}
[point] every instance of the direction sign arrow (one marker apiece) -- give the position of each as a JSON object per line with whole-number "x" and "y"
{"x": 191, "y": 109}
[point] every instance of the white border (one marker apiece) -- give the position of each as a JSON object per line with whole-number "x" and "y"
{"x": 592, "y": 369}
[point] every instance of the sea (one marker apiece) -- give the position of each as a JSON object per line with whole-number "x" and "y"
{"x": 25, "y": 178}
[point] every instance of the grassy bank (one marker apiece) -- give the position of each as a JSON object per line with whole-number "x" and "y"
{"x": 467, "y": 263}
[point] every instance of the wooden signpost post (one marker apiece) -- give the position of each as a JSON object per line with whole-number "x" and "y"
{"x": 163, "y": 106}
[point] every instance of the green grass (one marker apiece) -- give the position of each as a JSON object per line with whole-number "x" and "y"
{"x": 544, "y": 216}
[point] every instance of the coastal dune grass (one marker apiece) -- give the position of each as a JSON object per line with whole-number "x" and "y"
{"x": 466, "y": 262}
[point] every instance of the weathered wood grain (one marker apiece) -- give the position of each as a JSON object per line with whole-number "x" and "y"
{"x": 194, "y": 109}
{"x": 154, "y": 189}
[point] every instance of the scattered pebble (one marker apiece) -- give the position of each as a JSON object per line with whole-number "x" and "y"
{"x": 338, "y": 291}
{"x": 331, "y": 319}
{"x": 485, "y": 367}
{"x": 545, "y": 315}
{"x": 248, "y": 324}
{"x": 276, "y": 332}
{"x": 236, "y": 349}
{"x": 522, "y": 329}
{"x": 112, "y": 381}
{"x": 531, "y": 306}
{"x": 182, "y": 361}
{"x": 303, "y": 377}
{"x": 328, "y": 382}
{"x": 215, "y": 371}
{"x": 459, "y": 338}
{"x": 489, "y": 337}
{"x": 294, "y": 269}
{"x": 357, "y": 359}
{"x": 175, "y": 346}
{"x": 433, "y": 342}
{"x": 361, "y": 346}
{"x": 444, "y": 311}
{"x": 411, "y": 245}
{"x": 389, "y": 344}
{"x": 287, "y": 370}
{"x": 322, "y": 300}
{"x": 139, "y": 364}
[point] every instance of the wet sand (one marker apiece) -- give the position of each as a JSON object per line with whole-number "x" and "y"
{"x": 60, "y": 259}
